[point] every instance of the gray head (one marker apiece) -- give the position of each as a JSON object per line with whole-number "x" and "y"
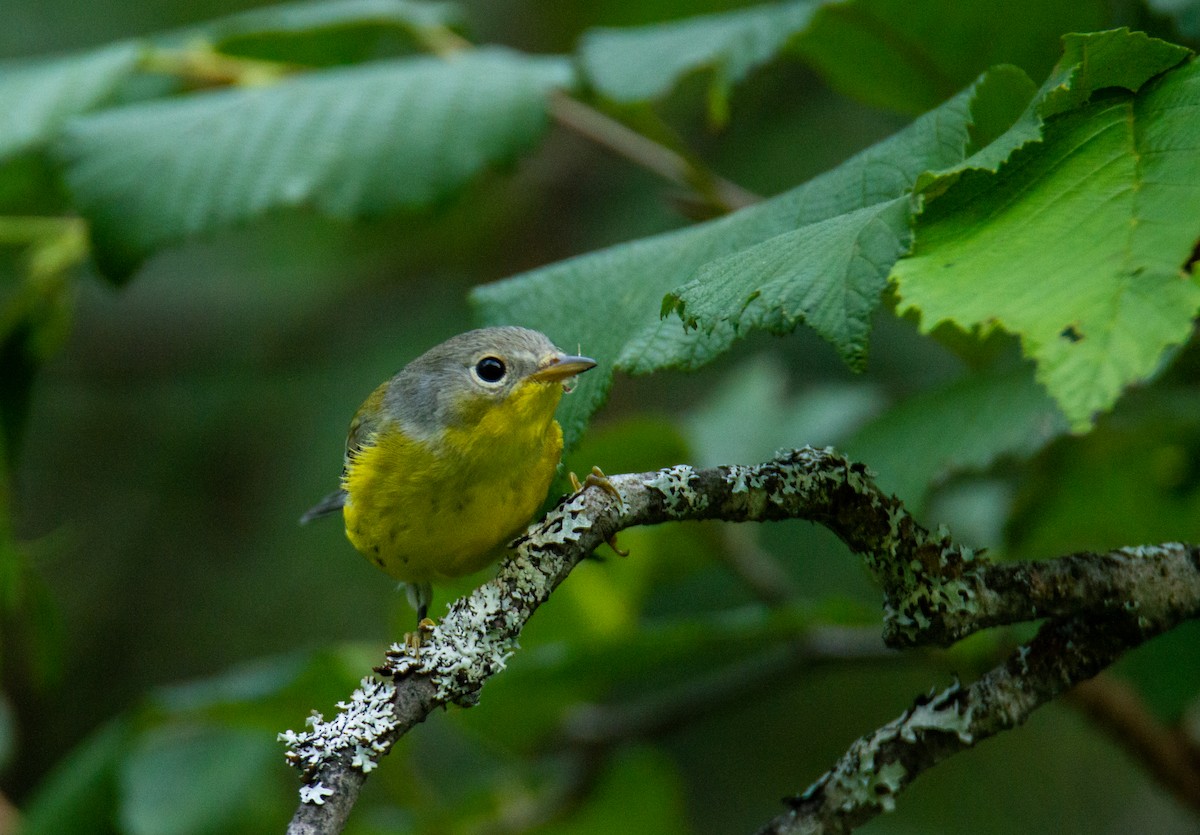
{"x": 450, "y": 383}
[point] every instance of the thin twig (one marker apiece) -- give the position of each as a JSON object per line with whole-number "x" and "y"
{"x": 724, "y": 196}
{"x": 756, "y": 567}
{"x": 679, "y": 706}
{"x": 1167, "y": 753}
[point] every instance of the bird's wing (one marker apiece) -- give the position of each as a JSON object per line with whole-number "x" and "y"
{"x": 362, "y": 428}
{"x": 367, "y": 421}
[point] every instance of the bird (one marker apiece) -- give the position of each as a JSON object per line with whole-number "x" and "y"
{"x": 450, "y": 458}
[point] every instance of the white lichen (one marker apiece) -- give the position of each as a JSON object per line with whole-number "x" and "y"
{"x": 565, "y": 523}
{"x": 860, "y": 780}
{"x": 674, "y": 485}
{"x": 942, "y": 712}
{"x": 361, "y": 726}
{"x": 314, "y": 794}
{"x": 363, "y": 760}
{"x": 475, "y": 639}
{"x": 1165, "y": 549}
{"x": 889, "y": 780}
{"x": 867, "y": 776}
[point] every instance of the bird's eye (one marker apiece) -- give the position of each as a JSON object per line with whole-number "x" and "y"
{"x": 490, "y": 369}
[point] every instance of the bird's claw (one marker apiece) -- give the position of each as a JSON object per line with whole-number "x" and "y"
{"x": 414, "y": 639}
{"x": 597, "y": 478}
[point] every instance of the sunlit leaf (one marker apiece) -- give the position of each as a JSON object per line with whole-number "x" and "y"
{"x": 1077, "y": 245}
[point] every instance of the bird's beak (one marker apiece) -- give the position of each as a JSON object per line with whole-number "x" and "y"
{"x": 561, "y": 367}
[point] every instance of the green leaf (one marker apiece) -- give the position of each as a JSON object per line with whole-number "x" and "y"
{"x": 322, "y": 32}
{"x": 197, "y": 779}
{"x": 963, "y": 427}
{"x": 1138, "y": 471}
{"x": 38, "y": 261}
{"x": 910, "y": 56}
{"x": 79, "y": 795}
{"x": 1077, "y": 245}
{"x": 38, "y": 96}
{"x": 266, "y": 693}
{"x": 645, "y": 62}
{"x": 827, "y": 274}
{"x": 352, "y": 142}
{"x": 888, "y": 53}
{"x": 30, "y": 185}
{"x": 609, "y": 302}
{"x": 724, "y": 431}
{"x": 293, "y": 18}
{"x": 1090, "y": 63}
{"x": 1097, "y": 61}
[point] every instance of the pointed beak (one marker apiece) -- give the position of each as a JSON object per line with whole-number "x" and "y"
{"x": 561, "y": 367}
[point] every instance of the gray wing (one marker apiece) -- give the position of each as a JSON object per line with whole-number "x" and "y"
{"x": 362, "y": 428}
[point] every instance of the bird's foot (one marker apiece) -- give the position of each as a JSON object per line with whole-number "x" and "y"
{"x": 597, "y": 478}
{"x": 414, "y": 639}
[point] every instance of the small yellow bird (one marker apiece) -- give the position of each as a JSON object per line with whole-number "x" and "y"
{"x": 447, "y": 460}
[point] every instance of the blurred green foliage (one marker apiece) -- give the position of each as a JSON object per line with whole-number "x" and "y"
{"x": 286, "y": 244}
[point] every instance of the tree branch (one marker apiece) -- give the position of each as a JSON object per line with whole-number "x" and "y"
{"x": 877, "y": 767}
{"x": 934, "y": 592}
{"x": 1166, "y": 752}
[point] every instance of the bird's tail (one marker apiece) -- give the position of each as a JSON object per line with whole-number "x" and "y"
{"x": 329, "y": 505}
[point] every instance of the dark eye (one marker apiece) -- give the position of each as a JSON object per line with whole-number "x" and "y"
{"x": 490, "y": 369}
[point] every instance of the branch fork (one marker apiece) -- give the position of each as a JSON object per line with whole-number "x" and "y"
{"x": 935, "y": 593}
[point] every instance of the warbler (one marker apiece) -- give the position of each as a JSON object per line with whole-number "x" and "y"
{"x": 447, "y": 460}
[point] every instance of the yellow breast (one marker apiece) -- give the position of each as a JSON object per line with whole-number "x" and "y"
{"x": 430, "y": 510}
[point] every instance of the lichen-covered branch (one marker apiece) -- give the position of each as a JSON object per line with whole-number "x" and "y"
{"x": 877, "y": 767}
{"x": 1145, "y": 581}
{"x": 935, "y": 591}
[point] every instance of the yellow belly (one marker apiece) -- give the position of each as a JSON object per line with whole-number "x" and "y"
{"x": 424, "y": 511}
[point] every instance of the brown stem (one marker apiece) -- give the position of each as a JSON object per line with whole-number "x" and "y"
{"x": 586, "y": 121}
{"x": 1166, "y": 753}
